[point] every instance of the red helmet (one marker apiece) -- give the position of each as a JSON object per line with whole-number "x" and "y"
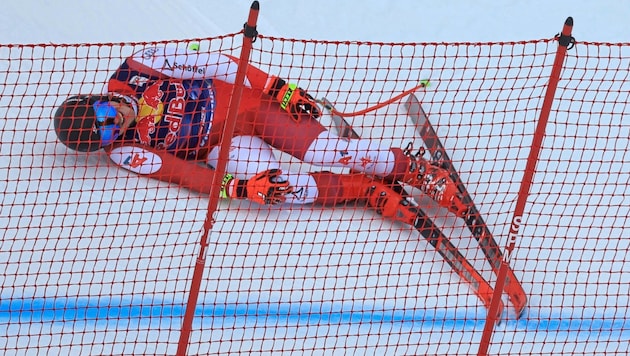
{"x": 76, "y": 124}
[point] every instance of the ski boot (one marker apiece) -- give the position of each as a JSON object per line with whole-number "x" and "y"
{"x": 434, "y": 181}
{"x": 392, "y": 202}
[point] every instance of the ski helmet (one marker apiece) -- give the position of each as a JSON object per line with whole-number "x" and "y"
{"x": 81, "y": 128}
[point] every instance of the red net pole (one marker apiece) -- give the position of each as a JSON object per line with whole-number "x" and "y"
{"x": 249, "y": 34}
{"x": 564, "y": 40}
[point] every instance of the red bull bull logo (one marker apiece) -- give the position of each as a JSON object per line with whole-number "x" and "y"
{"x": 145, "y": 127}
{"x": 150, "y": 110}
{"x": 152, "y": 95}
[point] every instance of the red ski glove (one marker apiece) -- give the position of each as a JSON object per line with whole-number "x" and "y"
{"x": 266, "y": 187}
{"x": 292, "y": 99}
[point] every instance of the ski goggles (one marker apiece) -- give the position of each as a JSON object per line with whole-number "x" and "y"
{"x": 106, "y": 113}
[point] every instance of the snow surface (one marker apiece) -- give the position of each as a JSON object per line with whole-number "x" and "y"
{"x": 83, "y": 267}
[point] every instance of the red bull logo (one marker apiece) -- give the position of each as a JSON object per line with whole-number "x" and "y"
{"x": 145, "y": 127}
{"x": 153, "y": 95}
{"x": 174, "y": 115}
{"x": 150, "y": 109}
{"x": 151, "y": 115}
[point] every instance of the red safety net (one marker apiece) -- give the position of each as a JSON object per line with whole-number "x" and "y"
{"x": 96, "y": 259}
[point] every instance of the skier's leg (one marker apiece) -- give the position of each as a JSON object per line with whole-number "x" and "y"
{"x": 369, "y": 156}
{"x": 309, "y": 141}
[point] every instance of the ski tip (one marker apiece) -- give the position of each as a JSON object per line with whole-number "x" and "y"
{"x": 517, "y": 296}
{"x": 521, "y": 312}
{"x": 425, "y": 83}
{"x": 501, "y": 313}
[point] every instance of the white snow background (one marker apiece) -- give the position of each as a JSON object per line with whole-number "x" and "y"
{"x": 578, "y": 284}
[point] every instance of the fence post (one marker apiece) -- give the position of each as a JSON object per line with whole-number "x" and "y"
{"x": 249, "y": 35}
{"x": 564, "y": 41}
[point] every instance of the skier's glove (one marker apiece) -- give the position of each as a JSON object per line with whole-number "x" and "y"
{"x": 267, "y": 187}
{"x": 292, "y": 99}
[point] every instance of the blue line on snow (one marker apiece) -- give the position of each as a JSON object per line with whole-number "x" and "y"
{"x": 107, "y": 310}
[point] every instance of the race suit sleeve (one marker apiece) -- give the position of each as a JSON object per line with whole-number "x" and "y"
{"x": 183, "y": 64}
{"x": 265, "y": 187}
{"x": 161, "y": 165}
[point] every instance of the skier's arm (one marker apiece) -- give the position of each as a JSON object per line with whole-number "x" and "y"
{"x": 266, "y": 187}
{"x": 183, "y": 64}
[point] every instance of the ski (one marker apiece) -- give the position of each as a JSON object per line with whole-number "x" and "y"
{"x": 473, "y": 220}
{"x": 442, "y": 244}
{"x": 410, "y": 214}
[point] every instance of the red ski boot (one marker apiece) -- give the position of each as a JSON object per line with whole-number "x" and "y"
{"x": 434, "y": 181}
{"x": 392, "y": 202}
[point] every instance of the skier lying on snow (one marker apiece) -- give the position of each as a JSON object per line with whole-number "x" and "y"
{"x": 162, "y": 118}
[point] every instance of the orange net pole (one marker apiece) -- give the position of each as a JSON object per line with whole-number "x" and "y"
{"x": 249, "y": 34}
